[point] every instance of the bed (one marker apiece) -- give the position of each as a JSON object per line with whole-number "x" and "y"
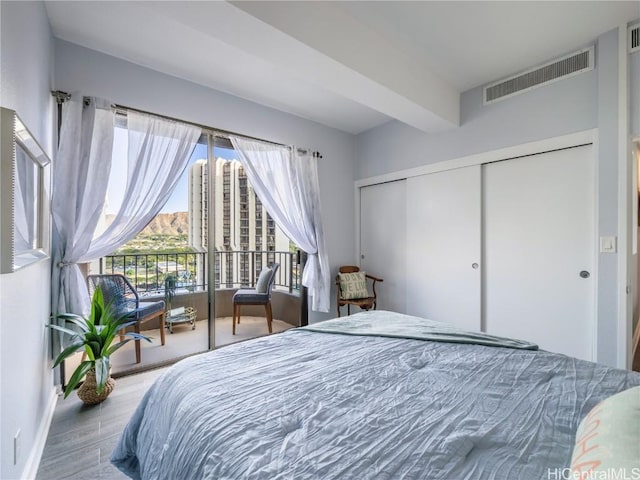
{"x": 378, "y": 395}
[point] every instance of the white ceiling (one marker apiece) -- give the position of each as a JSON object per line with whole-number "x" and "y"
{"x": 349, "y": 65}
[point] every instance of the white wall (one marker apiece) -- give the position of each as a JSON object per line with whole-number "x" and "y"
{"x": 634, "y": 131}
{"x": 579, "y": 103}
{"x": 26, "y": 378}
{"x": 520, "y": 119}
{"x": 607, "y": 174}
{"x": 93, "y": 73}
{"x": 634, "y": 75}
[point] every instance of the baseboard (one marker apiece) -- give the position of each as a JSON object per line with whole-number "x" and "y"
{"x": 31, "y": 468}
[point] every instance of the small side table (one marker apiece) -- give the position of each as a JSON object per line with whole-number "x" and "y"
{"x": 179, "y": 316}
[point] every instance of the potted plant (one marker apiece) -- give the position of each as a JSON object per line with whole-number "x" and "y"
{"x": 95, "y": 335}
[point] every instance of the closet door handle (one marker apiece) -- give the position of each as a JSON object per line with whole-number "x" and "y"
{"x": 474, "y": 266}
{"x": 584, "y": 274}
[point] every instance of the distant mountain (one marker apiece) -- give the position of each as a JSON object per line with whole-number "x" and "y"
{"x": 164, "y": 224}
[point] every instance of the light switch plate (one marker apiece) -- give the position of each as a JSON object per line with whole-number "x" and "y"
{"x": 608, "y": 244}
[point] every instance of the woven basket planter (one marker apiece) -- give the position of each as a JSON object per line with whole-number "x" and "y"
{"x": 87, "y": 391}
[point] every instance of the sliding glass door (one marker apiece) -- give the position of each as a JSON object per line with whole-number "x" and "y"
{"x": 243, "y": 240}
{"x": 212, "y": 237}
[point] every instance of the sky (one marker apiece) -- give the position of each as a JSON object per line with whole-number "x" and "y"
{"x": 178, "y": 200}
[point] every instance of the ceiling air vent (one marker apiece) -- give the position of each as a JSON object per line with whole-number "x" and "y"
{"x": 634, "y": 38}
{"x": 567, "y": 66}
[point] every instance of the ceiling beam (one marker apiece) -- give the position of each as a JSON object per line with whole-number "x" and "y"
{"x": 292, "y": 37}
{"x": 353, "y": 61}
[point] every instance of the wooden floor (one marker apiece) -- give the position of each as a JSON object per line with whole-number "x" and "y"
{"x": 82, "y": 438}
{"x": 183, "y": 342}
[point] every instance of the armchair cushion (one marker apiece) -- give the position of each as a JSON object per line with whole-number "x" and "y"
{"x": 145, "y": 309}
{"x": 262, "y": 285}
{"x": 353, "y": 285}
{"x": 250, "y": 296}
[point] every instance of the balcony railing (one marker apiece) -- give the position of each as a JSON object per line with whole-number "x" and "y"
{"x": 233, "y": 269}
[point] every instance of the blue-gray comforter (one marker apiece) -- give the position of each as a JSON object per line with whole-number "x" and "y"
{"x": 307, "y": 404}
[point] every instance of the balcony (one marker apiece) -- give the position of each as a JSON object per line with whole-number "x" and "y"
{"x": 232, "y": 270}
{"x": 147, "y": 271}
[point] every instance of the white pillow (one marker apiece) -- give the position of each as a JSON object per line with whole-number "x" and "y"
{"x": 608, "y": 438}
{"x": 353, "y": 285}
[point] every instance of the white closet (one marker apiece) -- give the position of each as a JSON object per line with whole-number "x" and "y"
{"x": 507, "y": 247}
{"x": 443, "y": 246}
{"x": 539, "y": 238}
{"x": 383, "y": 223}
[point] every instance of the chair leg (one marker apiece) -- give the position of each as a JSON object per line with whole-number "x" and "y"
{"x": 338, "y": 310}
{"x": 348, "y": 309}
{"x": 137, "y": 342}
{"x": 162, "y": 328}
{"x": 236, "y": 312}
{"x": 267, "y": 308}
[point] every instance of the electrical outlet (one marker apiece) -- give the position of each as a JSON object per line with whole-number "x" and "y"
{"x": 16, "y": 447}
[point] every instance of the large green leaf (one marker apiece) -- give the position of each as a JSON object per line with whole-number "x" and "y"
{"x": 78, "y": 321}
{"x": 125, "y": 324}
{"x": 97, "y": 304}
{"x": 102, "y": 373}
{"x": 70, "y": 350}
{"x": 131, "y": 336}
{"x": 137, "y": 336}
{"x": 106, "y": 333}
{"x": 115, "y": 347}
{"x": 78, "y": 373}
{"x": 68, "y": 316}
{"x": 91, "y": 327}
{"x": 64, "y": 330}
{"x": 95, "y": 348}
{"x": 93, "y": 337}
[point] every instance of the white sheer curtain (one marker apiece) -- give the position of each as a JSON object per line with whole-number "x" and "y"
{"x": 158, "y": 152}
{"x": 287, "y": 184}
{"x": 80, "y": 177}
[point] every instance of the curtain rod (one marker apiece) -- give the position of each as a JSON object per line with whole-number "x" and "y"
{"x": 61, "y": 97}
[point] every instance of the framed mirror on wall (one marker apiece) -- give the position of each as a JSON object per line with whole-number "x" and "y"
{"x": 24, "y": 197}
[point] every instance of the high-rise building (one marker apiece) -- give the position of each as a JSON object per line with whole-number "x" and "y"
{"x": 197, "y": 206}
{"x": 245, "y": 233}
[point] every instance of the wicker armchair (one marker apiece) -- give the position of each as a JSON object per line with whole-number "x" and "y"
{"x": 120, "y": 294}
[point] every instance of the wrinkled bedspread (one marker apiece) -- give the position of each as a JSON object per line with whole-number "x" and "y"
{"x": 310, "y": 405}
{"x": 398, "y": 325}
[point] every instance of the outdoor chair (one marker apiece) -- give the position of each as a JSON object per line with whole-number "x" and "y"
{"x": 261, "y": 295}
{"x": 120, "y": 294}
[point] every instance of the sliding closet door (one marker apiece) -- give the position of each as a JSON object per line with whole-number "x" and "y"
{"x": 539, "y": 250}
{"x": 383, "y": 220}
{"x": 443, "y": 246}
